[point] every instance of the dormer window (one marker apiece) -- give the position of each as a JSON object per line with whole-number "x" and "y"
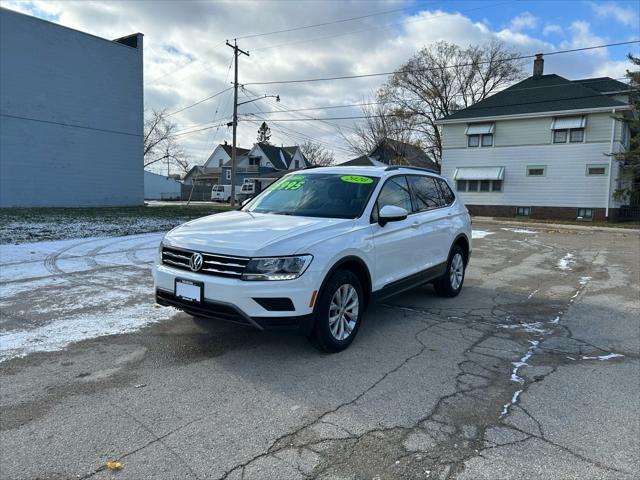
{"x": 568, "y": 129}
{"x": 479, "y": 135}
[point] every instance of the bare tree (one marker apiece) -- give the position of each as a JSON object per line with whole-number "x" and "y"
{"x": 443, "y": 78}
{"x": 159, "y": 142}
{"x": 383, "y": 120}
{"x": 317, "y": 155}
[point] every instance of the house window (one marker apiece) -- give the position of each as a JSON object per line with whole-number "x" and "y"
{"x": 227, "y": 174}
{"x": 576, "y": 135}
{"x": 296, "y": 164}
{"x": 523, "y": 211}
{"x": 479, "y": 185}
{"x": 596, "y": 170}
{"x": 480, "y": 140}
{"x": 536, "y": 171}
{"x": 569, "y": 129}
{"x": 559, "y": 136}
{"x": 585, "y": 214}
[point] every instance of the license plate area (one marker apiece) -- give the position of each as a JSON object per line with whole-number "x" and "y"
{"x": 189, "y": 290}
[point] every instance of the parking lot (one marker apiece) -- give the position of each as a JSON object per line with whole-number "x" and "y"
{"x": 532, "y": 372}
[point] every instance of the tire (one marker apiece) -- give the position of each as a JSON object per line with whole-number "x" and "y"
{"x": 450, "y": 284}
{"x": 228, "y": 200}
{"x": 335, "y": 336}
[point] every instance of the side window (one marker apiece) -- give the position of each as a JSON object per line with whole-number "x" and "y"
{"x": 395, "y": 191}
{"x": 425, "y": 192}
{"x": 445, "y": 192}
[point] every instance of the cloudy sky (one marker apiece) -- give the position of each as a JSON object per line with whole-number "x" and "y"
{"x": 186, "y": 59}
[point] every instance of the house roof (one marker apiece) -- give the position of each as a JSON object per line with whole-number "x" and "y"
{"x": 604, "y": 84}
{"x": 229, "y": 148}
{"x": 546, "y": 93}
{"x": 361, "y": 161}
{"x": 389, "y": 151}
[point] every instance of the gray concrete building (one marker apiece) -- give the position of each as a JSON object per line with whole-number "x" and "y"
{"x": 71, "y": 116}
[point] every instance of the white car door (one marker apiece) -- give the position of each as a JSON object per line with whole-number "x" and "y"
{"x": 432, "y": 217}
{"x": 395, "y": 243}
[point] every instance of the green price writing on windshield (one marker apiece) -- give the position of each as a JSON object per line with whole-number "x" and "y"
{"x": 355, "y": 179}
{"x": 287, "y": 185}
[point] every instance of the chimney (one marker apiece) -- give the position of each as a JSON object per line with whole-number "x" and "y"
{"x": 538, "y": 65}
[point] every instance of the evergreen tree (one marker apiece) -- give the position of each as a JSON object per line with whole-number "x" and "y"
{"x": 264, "y": 133}
{"x": 630, "y": 159}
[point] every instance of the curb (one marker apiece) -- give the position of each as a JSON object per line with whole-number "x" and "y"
{"x": 565, "y": 226}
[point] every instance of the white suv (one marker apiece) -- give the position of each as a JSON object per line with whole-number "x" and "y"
{"x": 315, "y": 248}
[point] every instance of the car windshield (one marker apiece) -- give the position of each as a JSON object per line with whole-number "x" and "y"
{"x": 327, "y": 195}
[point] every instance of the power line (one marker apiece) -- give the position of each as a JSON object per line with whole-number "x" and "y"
{"x": 400, "y": 114}
{"x": 183, "y": 132}
{"x": 323, "y": 24}
{"x": 72, "y": 125}
{"x": 378, "y": 74}
{"x": 380, "y": 27}
{"x": 199, "y": 101}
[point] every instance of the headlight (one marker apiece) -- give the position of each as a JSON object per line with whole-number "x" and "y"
{"x": 276, "y": 268}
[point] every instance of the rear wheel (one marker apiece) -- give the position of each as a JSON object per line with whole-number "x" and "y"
{"x": 338, "y": 312}
{"x": 450, "y": 284}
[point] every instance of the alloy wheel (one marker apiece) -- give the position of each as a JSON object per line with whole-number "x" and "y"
{"x": 343, "y": 311}
{"x": 456, "y": 271}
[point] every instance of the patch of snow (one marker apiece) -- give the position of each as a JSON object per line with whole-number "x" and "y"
{"x": 475, "y": 234}
{"x": 514, "y": 400}
{"x": 533, "y": 327}
{"x": 604, "y": 357}
{"x": 523, "y": 362}
{"x": 584, "y": 280}
{"x": 533, "y": 293}
{"x": 60, "y": 333}
{"x": 518, "y": 230}
{"x": 566, "y": 262}
{"x": 555, "y": 321}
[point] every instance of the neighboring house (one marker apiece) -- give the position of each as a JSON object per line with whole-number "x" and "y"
{"x": 541, "y": 148}
{"x": 210, "y": 173}
{"x": 71, "y": 114}
{"x": 394, "y": 152}
{"x": 159, "y": 187}
{"x": 261, "y": 162}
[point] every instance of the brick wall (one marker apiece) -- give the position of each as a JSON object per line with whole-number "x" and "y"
{"x": 541, "y": 213}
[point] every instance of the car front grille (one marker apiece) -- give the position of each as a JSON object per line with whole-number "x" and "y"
{"x": 212, "y": 264}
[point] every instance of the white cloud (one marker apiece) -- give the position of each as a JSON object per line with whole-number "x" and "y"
{"x": 176, "y": 33}
{"x": 524, "y": 21}
{"x": 551, "y": 29}
{"x": 629, "y": 16}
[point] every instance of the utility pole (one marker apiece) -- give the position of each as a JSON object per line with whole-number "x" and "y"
{"x": 236, "y": 54}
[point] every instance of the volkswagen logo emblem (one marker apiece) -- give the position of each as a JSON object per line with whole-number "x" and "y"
{"x": 195, "y": 262}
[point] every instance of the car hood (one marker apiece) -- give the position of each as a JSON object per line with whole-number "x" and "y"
{"x": 248, "y": 234}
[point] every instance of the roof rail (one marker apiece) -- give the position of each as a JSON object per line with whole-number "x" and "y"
{"x": 410, "y": 167}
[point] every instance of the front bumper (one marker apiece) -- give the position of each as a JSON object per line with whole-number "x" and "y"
{"x": 234, "y": 300}
{"x": 230, "y": 313}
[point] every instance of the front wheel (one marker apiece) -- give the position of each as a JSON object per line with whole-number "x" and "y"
{"x": 450, "y": 284}
{"x": 338, "y": 312}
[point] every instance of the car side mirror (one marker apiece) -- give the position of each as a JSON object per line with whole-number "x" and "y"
{"x": 391, "y": 213}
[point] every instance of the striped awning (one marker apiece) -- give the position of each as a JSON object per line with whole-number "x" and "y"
{"x": 479, "y": 173}
{"x": 479, "y": 128}
{"x": 563, "y": 123}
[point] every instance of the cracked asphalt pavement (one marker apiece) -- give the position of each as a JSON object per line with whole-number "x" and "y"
{"x": 532, "y": 372}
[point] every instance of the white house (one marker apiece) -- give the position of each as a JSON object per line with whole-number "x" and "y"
{"x": 71, "y": 116}
{"x": 263, "y": 163}
{"x": 160, "y": 187}
{"x": 541, "y": 148}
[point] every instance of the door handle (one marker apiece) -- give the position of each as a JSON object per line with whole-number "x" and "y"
{"x": 415, "y": 225}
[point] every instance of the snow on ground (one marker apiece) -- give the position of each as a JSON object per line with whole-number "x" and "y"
{"x": 604, "y": 357}
{"x": 566, "y": 262}
{"x": 479, "y": 234}
{"x": 55, "y": 293}
{"x": 519, "y": 230}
